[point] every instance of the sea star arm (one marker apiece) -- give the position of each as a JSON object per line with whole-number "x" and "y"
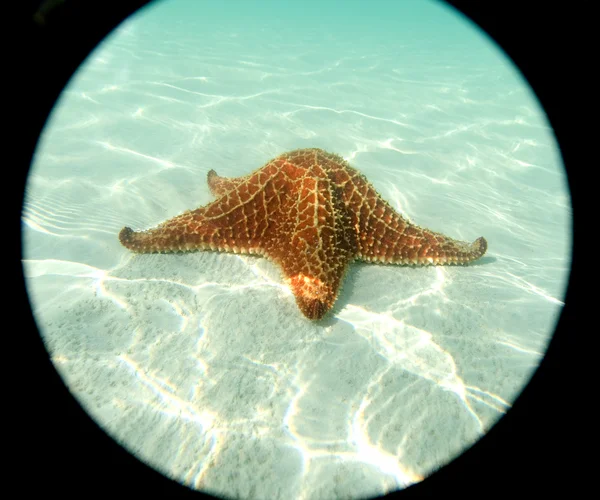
{"x": 401, "y": 242}
{"x": 385, "y": 236}
{"x": 315, "y": 280}
{"x": 316, "y": 245}
{"x": 236, "y": 222}
{"x": 221, "y": 185}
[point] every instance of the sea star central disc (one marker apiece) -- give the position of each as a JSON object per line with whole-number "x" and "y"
{"x": 311, "y": 213}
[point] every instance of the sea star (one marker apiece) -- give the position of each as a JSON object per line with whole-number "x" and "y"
{"x": 312, "y": 214}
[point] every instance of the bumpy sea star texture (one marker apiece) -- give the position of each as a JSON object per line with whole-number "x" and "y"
{"x": 312, "y": 214}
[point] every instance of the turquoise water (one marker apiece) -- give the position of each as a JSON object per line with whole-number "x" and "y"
{"x": 201, "y": 364}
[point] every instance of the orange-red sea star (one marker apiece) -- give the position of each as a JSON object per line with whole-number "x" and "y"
{"x": 311, "y": 213}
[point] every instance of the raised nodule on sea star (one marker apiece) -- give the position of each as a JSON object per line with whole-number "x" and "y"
{"x": 311, "y": 213}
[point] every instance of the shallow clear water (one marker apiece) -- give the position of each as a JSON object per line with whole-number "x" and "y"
{"x": 201, "y": 364}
